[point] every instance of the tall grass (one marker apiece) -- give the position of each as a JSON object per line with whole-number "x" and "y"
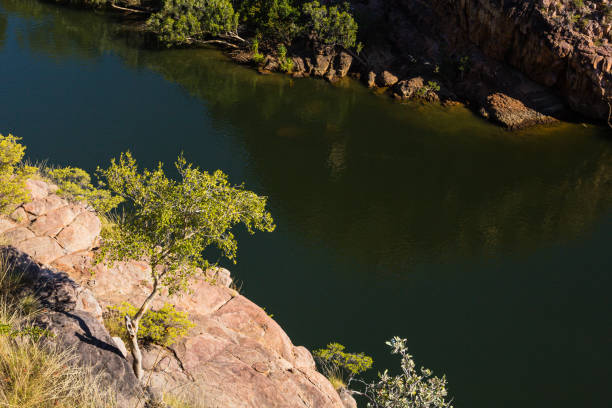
{"x": 33, "y": 372}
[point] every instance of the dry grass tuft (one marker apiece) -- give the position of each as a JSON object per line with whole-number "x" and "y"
{"x": 33, "y": 373}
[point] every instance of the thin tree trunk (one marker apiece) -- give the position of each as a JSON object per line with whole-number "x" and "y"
{"x": 132, "y": 329}
{"x": 132, "y": 326}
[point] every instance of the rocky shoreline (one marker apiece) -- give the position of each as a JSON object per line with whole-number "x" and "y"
{"x": 235, "y": 356}
{"x": 516, "y": 63}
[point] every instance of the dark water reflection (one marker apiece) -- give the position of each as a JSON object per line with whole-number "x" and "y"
{"x": 488, "y": 249}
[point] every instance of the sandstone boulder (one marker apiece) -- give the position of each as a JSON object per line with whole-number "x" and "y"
{"x": 81, "y": 233}
{"x": 42, "y": 249}
{"x": 512, "y": 113}
{"x": 343, "y": 63}
{"x": 17, "y": 235}
{"x": 347, "y": 398}
{"x": 387, "y": 79}
{"x": 371, "y": 79}
{"x": 52, "y": 223}
{"x": 322, "y": 64}
{"x": 38, "y": 189}
{"x": 406, "y": 89}
{"x": 6, "y": 225}
{"x": 44, "y": 205}
{"x": 19, "y": 215}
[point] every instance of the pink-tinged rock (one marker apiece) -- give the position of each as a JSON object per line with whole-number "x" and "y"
{"x": 245, "y": 317}
{"x": 15, "y": 236}
{"x": 303, "y": 359}
{"x": 347, "y": 398}
{"x": 44, "y": 205}
{"x": 6, "y": 225}
{"x": 81, "y": 233}
{"x": 38, "y": 189}
{"x": 53, "y": 222}
{"x": 19, "y": 215}
{"x": 42, "y": 249}
{"x": 220, "y": 276}
{"x": 78, "y": 266}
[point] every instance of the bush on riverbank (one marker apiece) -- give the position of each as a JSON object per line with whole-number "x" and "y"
{"x": 274, "y": 22}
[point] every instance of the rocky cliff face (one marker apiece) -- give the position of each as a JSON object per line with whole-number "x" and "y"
{"x": 563, "y": 45}
{"x": 236, "y": 356}
{"x": 532, "y": 51}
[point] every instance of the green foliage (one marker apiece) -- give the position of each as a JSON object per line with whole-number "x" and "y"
{"x": 339, "y": 366}
{"x": 183, "y": 21}
{"x": 13, "y": 174}
{"x": 464, "y": 64}
{"x": 163, "y": 327}
{"x": 285, "y": 63}
{"x": 431, "y": 86}
{"x": 275, "y": 20}
{"x": 330, "y": 26}
{"x": 33, "y": 332}
{"x": 75, "y": 184}
{"x": 411, "y": 388}
{"x": 89, "y": 3}
{"x": 258, "y": 57}
{"x": 170, "y": 223}
{"x": 359, "y": 48}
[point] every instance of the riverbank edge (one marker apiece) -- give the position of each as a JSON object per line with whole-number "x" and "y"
{"x": 335, "y": 63}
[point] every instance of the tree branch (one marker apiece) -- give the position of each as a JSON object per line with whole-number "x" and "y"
{"x": 129, "y": 10}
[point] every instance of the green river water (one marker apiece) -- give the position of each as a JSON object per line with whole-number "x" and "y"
{"x": 489, "y": 250}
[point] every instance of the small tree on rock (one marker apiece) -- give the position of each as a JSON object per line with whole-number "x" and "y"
{"x": 170, "y": 223}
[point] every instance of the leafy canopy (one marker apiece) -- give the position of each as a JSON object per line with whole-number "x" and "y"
{"x": 330, "y": 26}
{"x": 335, "y": 360}
{"x": 170, "y": 222}
{"x": 183, "y": 21}
{"x": 275, "y": 20}
{"x": 13, "y": 174}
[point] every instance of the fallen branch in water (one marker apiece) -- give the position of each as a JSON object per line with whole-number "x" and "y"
{"x": 221, "y": 42}
{"x": 130, "y": 10}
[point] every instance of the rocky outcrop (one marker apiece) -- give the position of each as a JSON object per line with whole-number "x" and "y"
{"x": 72, "y": 315}
{"x": 558, "y": 44}
{"x": 236, "y": 356}
{"x": 544, "y": 55}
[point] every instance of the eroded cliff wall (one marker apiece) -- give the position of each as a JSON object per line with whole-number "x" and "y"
{"x": 563, "y": 45}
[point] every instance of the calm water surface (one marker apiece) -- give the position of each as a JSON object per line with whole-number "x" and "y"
{"x": 489, "y": 250}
